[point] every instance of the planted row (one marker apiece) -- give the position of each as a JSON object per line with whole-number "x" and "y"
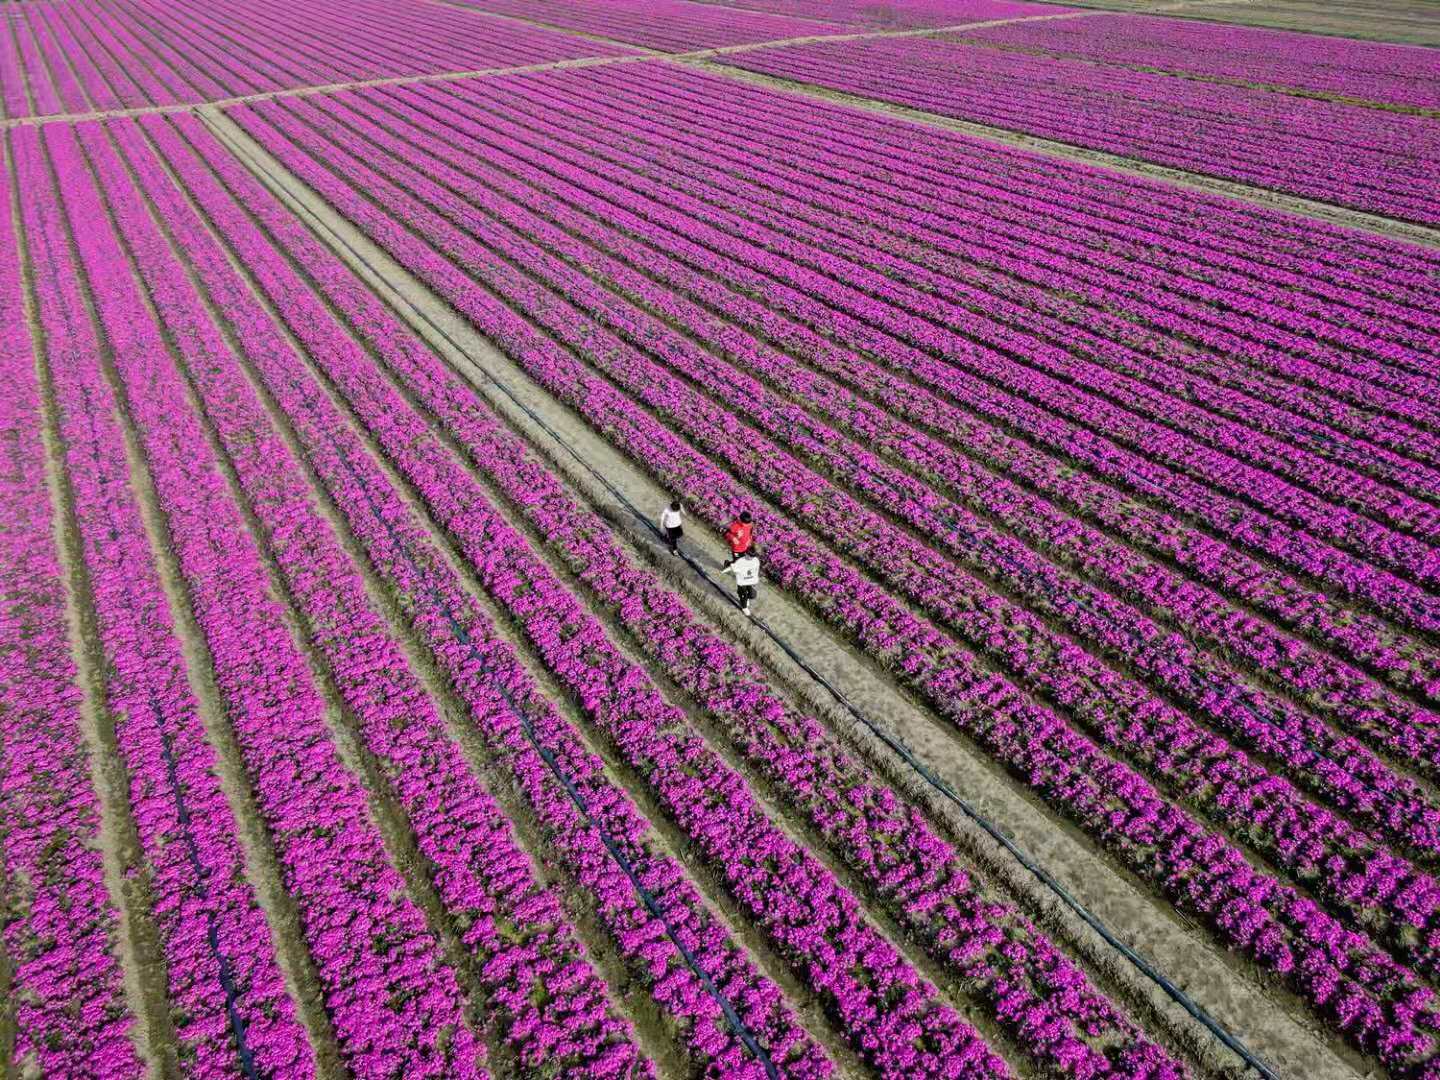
{"x": 367, "y": 938}
{"x": 1022, "y": 351}
{"x": 227, "y": 997}
{"x": 1369, "y": 70}
{"x": 667, "y": 25}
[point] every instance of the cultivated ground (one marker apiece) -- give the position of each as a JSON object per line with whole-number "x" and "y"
{"x": 355, "y": 720}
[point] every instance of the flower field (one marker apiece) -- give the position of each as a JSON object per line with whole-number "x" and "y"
{"x": 354, "y": 720}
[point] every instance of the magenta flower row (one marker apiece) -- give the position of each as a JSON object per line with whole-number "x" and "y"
{"x": 1279, "y": 927}
{"x": 552, "y": 1001}
{"x": 224, "y": 984}
{"x": 65, "y": 998}
{"x": 529, "y": 87}
{"x": 121, "y": 54}
{"x": 1366, "y": 158}
{"x": 394, "y": 1007}
{"x": 484, "y": 671}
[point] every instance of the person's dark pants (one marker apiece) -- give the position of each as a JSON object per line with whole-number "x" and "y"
{"x": 735, "y": 555}
{"x": 747, "y": 593}
{"x": 673, "y": 533}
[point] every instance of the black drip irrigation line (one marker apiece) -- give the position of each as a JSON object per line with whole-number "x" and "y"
{"x": 1148, "y": 970}
{"x": 648, "y": 898}
{"x": 212, "y": 930}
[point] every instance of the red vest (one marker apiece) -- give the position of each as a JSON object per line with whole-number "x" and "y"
{"x": 739, "y": 536}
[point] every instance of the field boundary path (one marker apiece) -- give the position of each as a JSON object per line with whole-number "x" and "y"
{"x": 1284, "y": 1040}
{"x": 704, "y": 59}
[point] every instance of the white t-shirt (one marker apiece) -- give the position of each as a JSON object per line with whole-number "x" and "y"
{"x": 670, "y": 519}
{"x": 746, "y": 570}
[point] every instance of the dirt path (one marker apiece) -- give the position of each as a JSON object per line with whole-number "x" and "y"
{"x": 1270, "y": 1021}
{"x": 1403, "y": 22}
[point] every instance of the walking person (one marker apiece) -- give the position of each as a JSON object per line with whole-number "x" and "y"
{"x": 746, "y": 568}
{"x": 740, "y": 535}
{"x": 671, "y": 519}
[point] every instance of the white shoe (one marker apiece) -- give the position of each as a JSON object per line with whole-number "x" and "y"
{"x": 747, "y": 611}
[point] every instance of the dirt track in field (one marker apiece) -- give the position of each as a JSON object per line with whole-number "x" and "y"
{"x": 1272, "y": 1024}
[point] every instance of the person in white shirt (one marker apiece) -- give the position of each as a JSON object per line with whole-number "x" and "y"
{"x": 670, "y": 521}
{"x": 746, "y": 569}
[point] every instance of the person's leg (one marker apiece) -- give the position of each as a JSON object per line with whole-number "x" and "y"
{"x": 747, "y": 593}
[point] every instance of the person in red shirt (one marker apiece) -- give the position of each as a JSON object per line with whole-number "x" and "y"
{"x": 740, "y": 535}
